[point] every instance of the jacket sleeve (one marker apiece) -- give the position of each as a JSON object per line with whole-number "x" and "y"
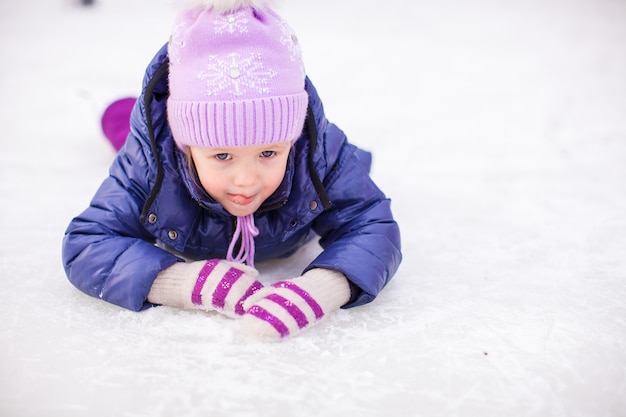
{"x": 106, "y": 251}
{"x": 358, "y": 233}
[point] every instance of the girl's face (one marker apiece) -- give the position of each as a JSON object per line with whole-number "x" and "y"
{"x": 241, "y": 178}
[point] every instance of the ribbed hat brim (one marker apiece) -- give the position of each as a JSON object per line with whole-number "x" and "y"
{"x": 237, "y": 123}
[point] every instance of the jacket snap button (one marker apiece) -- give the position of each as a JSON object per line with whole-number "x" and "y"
{"x": 152, "y": 218}
{"x": 313, "y": 205}
{"x": 173, "y": 234}
{"x": 293, "y": 223}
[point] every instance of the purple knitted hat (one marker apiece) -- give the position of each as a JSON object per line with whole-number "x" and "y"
{"x": 236, "y": 77}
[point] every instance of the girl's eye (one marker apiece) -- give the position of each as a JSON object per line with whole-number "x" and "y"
{"x": 268, "y": 154}
{"x": 222, "y": 156}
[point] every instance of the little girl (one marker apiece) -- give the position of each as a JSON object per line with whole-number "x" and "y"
{"x": 230, "y": 161}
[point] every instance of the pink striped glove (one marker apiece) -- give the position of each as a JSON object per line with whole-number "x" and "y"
{"x": 288, "y": 307}
{"x": 212, "y": 285}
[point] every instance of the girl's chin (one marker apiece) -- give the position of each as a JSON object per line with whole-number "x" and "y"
{"x": 241, "y": 211}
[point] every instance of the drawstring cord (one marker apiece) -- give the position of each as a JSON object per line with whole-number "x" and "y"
{"x": 247, "y": 230}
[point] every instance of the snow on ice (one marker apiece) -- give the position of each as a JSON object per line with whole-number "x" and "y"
{"x": 498, "y": 130}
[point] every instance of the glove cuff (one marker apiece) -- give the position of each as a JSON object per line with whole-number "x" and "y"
{"x": 330, "y": 288}
{"x": 211, "y": 285}
{"x": 173, "y": 286}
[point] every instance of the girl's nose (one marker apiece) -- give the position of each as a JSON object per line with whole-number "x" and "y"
{"x": 245, "y": 176}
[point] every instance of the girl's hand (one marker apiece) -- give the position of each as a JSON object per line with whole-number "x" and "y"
{"x": 288, "y": 307}
{"x": 212, "y": 285}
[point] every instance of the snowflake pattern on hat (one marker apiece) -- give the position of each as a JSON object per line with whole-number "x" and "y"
{"x": 176, "y": 44}
{"x": 231, "y": 23}
{"x": 290, "y": 41}
{"x": 236, "y": 74}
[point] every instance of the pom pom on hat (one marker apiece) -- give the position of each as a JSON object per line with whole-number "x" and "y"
{"x": 236, "y": 76}
{"x": 225, "y": 6}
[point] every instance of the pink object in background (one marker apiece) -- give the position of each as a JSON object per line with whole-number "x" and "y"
{"x": 116, "y": 121}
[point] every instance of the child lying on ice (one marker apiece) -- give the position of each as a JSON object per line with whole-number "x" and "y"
{"x": 230, "y": 160}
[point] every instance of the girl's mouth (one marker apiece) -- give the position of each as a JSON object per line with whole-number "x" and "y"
{"x": 240, "y": 199}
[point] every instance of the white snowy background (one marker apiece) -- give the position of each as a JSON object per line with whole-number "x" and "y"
{"x": 499, "y": 131}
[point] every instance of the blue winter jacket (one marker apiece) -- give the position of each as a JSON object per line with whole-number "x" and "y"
{"x": 150, "y": 213}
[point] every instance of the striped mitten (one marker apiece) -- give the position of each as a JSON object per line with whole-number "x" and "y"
{"x": 289, "y": 306}
{"x": 212, "y": 285}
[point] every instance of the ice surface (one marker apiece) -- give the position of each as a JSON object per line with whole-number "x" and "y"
{"x": 498, "y": 130}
